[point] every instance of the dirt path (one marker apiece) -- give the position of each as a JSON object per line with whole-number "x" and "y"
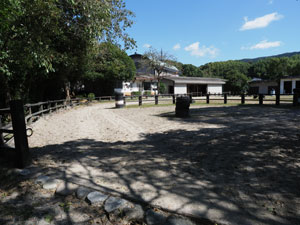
{"x": 234, "y": 165}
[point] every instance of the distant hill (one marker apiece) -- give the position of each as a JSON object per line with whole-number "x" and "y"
{"x": 289, "y": 54}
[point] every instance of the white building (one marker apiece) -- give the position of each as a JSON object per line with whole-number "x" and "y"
{"x": 259, "y": 86}
{"x": 186, "y": 85}
{"x": 146, "y": 80}
{"x": 288, "y": 84}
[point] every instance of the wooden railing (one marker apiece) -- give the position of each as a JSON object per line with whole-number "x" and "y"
{"x": 224, "y": 98}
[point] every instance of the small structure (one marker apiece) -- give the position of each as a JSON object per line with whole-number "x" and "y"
{"x": 259, "y": 86}
{"x": 289, "y": 83}
{"x": 187, "y": 85}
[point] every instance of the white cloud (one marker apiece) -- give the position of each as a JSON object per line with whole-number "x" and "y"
{"x": 147, "y": 46}
{"x": 261, "y": 22}
{"x": 263, "y": 45}
{"x": 271, "y": 2}
{"x": 176, "y": 47}
{"x": 202, "y": 51}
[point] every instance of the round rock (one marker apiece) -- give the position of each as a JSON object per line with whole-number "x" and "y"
{"x": 82, "y": 192}
{"x": 134, "y": 213}
{"x": 51, "y": 184}
{"x": 113, "y": 203}
{"x": 96, "y": 198}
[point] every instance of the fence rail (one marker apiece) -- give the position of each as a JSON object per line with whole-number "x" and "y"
{"x": 224, "y": 98}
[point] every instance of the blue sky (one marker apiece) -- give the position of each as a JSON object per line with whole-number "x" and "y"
{"x": 202, "y": 31}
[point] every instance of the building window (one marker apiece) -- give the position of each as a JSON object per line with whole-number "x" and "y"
{"x": 147, "y": 86}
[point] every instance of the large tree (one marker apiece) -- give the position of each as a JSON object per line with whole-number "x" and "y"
{"x": 109, "y": 66}
{"x": 45, "y": 39}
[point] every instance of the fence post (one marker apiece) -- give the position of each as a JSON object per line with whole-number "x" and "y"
{"x": 225, "y": 98}
{"x": 207, "y": 98}
{"x": 243, "y": 98}
{"x": 22, "y": 156}
{"x": 191, "y": 98}
{"x": 140, "y": 100}
{"x": 277, "y": 98}
{"x": 29, "y": 114}
{"x": 156, "y": 99}
{"x": 261, "y": 99}
{"x": 41, "y": 108}
{"x": 173, "y": 96}
{"x": 49, "y": 106}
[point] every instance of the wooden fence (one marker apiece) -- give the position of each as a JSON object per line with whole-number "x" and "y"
{"x": 21, "y": 115}
{"x": 224, "y": 98}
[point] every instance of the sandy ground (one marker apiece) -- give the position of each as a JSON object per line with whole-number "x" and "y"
{"x": 234, "y": 165}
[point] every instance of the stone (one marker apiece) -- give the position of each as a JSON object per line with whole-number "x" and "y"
{"x": 172, "y": 220}
{"x": 42, "y": 179}
{"x": 65, "y": 188}
{"x": 24, "y": 172}
{"x": 82, "y": 192}
{"x": 96, "y": 198}
{"x": 134, "y": 213}
{"x": 113, "y": 203}
{"x": 155, "y": 218}
{"x": 51, "y": 184}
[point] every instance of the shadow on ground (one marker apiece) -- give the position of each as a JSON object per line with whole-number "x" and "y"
{"x": 244, "y": 170}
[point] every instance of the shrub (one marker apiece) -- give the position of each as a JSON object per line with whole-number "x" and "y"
{"x": 91, "y": 96}
{"x": 135, "y": 93}
{"x": 162, "y": 88}
{"x": 147, "y": 93}
{"x": 80, "y": 96}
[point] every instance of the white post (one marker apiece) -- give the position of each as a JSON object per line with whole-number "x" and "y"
{"x": 293, "y": 85}
{"x": 281, "y": 87}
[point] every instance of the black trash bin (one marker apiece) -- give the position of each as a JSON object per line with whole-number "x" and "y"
{"x": 182, "y": 106}
{"x": 119, "y": 100}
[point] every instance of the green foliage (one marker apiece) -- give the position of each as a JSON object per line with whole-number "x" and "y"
{"x": 147, "y": 93}
{"x": 162, "y": 88}
{"x": 42, "y": 40}
{"x": 237, "y": 82}
{"x": 238, "y": 73}
{"x": 136, "y": 93}
{"x": 91, "y": 96}
{"x": 190, "y": 70}
{"x": 111, "y": 63}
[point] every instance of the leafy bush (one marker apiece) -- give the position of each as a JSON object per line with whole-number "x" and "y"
{"x": 147, "y": 93}
{"x": 136, "y": 93}
{"x": 162, "y": 88}
{"x": 91, "y": 96}
{"x": 80, "y": 96}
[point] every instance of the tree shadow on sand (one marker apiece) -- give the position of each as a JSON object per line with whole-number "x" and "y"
{"x": 244, "y": 169}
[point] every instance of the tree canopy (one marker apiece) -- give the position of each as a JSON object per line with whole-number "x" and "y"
{"x": 47, "y": 39}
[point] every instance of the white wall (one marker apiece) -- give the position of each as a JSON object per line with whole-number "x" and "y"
{"x": 215, "y": 88}
{"x": 180, "y": 89}
{"x": 293, "y": 84}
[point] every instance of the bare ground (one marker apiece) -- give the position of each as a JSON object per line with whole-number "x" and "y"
{"x": 234, "y": 165}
